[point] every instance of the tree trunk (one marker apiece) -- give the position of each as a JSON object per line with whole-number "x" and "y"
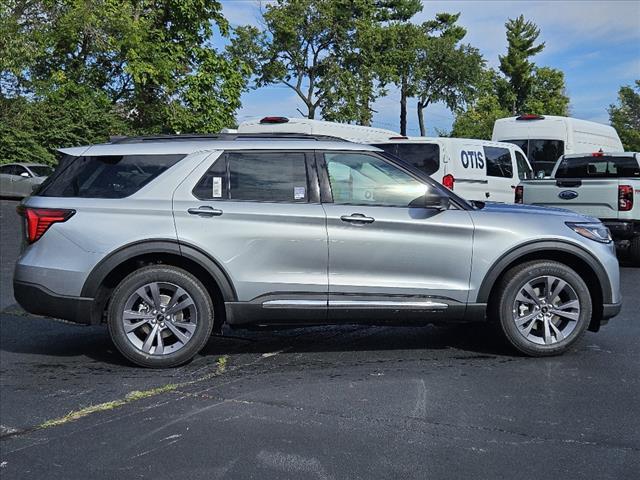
{"x": 312, "y": 111}
{"x": 403, "y": 106}
{"x": 421, "y": 107}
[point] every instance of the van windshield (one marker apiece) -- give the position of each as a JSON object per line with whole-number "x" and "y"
{"x": 425, "y": 156}
{"x": 598, "y": 167}
{"x": 542, "y": 154}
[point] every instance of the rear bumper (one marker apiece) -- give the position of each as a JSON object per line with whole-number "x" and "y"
{"x": 39, "y": 300}
{"x": 622, "y": 230}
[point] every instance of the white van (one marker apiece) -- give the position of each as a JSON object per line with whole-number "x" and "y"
{"x": 352, "y": 133}
{"x": 545, "y": 138}
{"x": 474, "y": 169}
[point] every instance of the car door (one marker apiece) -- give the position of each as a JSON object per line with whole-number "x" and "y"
{"x": 257, "y": 213}
{"x": 501, "y": 175}
{"x": 23, "y": 182}
{"x": 7, "y": 174}
{"x": 467, "y": 166}
{"x": 387, "y": 252}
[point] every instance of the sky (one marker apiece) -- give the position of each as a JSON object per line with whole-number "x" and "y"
{"x": 595, "y": 43}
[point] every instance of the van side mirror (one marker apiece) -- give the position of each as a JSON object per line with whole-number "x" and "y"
{"x": 540, "y": 174}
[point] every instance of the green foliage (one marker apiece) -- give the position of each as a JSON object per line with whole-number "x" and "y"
{"x": 77, "y": 71}
{"x": 523, "y": 87}
{"x": 625, "y": 116}
{"x": 515, "y": 65}
{"x": 478, "y": 119}
{"x": 446, "y": 71}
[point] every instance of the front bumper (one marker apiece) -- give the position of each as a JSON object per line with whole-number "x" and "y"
{"x": 39, "y": 300}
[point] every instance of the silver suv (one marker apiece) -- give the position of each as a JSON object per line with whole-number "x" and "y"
{"x": 167, "y": 239}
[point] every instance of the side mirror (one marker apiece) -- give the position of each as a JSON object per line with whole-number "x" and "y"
{"x": 540, "y": 174}
{"x": 434, "y": 199}
{"x": 25, "y": 175}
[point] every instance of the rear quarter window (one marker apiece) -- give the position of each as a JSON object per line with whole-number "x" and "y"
{"x": 105, "y": 176}
{"x": 598, "y": 167}
{"x": 498, "y": 162}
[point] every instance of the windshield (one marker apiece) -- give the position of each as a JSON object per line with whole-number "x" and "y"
{"x": 542, "y": 154}
{"x": 41, "y": 170}
{"x": 598, "y": 167}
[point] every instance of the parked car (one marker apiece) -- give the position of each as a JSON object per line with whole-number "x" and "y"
{"x": 545, "y": 138}
{"x": 19, "y": 179}
{"x": 476, "y": 169}
{"x": 166, "y": 239}
{"x": 602, "y": 185}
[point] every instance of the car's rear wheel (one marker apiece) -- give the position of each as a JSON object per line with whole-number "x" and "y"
{"x": 160, "y": 316}
{"x": 544, "y": 307}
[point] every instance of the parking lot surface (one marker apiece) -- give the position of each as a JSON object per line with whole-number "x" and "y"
{"x": 329, "y": 402}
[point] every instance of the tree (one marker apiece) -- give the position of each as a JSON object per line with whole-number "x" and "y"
{"x": 548, "y": 93}
{"x": 446, "y": 71}
{"x": 142, "y": 66}
{"x": 482, "y": 112}
{"x": 625, "y": 116}
{"x": 521, "y": 38}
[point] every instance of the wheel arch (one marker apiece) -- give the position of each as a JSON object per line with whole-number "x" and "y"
{"x": 118, "y": 264}
{"x": 580, "y": 260}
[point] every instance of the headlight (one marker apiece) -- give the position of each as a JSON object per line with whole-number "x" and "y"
{"x": 593, "y": 231}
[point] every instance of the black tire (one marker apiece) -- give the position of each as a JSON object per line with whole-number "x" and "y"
{"x": 634, "y": 251}
{"x": 165, "y": 275}
{"x": 509, "y": 288}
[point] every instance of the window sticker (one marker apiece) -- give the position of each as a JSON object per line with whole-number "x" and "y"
{"x": 217, "y": 187}
{"x": 299, "y": 193}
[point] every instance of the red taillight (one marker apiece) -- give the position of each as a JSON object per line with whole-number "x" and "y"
{"x": 519, "y": 194}
{"x": 530, "y": 116}
{"x": 448, "y": 181}
{"x": 599, "y": 153}
{"x": 274, "y": 120}
{"x": 38, "y": 220}
{"x": 625, "y": 198}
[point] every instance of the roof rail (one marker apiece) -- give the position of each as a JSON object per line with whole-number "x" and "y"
{"x": 190, "y": 137}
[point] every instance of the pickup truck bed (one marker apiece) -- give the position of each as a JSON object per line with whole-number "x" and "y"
{"x": 605, "y": 186}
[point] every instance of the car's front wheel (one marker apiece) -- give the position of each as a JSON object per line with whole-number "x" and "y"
{"x": 160, "y": 316}
{"x": 544, "y": 307}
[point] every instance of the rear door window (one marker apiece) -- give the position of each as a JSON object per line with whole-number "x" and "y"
{"x": 257, "y": 177}
{"x": 598, "y": 167}
{"x": 113, "y": 176}
{"x": 498, "y": 162}
{"x": 425, "y": 156}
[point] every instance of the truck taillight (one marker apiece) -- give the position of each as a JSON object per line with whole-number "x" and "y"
{"x": 38, "y": 220}
{"x": 519, "y": 197}
{"x": 625, "y": 198}
{"x": 448, "y": 181}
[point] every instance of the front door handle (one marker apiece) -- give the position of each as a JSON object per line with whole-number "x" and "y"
{"x": 205, "y": 211}
{"x": 357, "y": 218}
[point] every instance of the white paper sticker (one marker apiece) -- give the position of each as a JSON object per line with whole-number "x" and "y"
{"x": 217, "y": 187}
{"x": 299, "y": 193}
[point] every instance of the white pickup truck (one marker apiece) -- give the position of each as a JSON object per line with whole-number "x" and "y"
{"x": 601, "y": 185}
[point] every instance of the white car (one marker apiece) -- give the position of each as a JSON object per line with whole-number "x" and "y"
{"x": 474, "y": 169}
{"x": 19, "y": 179}
{"x": 545, "y": 138}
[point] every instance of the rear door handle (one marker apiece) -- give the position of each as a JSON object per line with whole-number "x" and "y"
{"x": 205, "y": 211}
{"x": 357, "y": 218}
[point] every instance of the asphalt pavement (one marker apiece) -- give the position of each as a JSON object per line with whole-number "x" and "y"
{"x": 346, "y": 402}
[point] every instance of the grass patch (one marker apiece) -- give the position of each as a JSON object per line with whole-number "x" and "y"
{"x": 131, "y": 397}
